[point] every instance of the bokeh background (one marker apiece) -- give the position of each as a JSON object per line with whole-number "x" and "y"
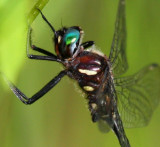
{"x": 61, "y": 117}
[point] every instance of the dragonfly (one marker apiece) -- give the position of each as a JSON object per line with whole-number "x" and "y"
{"x": 115, "y": 101}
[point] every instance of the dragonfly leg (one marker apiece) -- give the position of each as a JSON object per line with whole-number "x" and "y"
{"x": 40, "y": 93}
{"x": 49, "y": 56}
{"x": 45, "y": 19}
{"x": 87, "y": 44}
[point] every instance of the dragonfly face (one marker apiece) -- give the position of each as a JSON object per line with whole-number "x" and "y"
{"x": 67, "y": 42}
{"x": 109, "y": 94}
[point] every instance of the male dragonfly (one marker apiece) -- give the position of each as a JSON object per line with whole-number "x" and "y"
{"x": 112, "y": 98}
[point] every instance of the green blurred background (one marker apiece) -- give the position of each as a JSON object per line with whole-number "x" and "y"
{"x": 61, "y": 117}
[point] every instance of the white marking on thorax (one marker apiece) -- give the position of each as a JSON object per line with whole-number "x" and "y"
{"x": 87, "y": 72}
{"x": 59, "y": 39}
{"x": 98, "y": 62}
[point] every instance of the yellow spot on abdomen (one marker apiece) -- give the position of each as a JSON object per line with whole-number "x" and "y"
{"x": 94, "y": 106}
{"x": 88, "y": 88}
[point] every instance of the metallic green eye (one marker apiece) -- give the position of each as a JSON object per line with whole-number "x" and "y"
{"x": 72, "y": 36}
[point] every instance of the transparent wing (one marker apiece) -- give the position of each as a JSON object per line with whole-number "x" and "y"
{"x": 117, "y": 59}
{"x": 118, "y": 54}
{"x": 138, "y": 96}
{"x": 106, "y": 101}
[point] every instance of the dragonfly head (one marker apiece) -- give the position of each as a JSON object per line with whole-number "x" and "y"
{"x": 67, "y": 42}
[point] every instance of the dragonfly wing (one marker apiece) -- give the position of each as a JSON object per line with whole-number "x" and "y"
{"x": 107, "y": 109}
{"x": 138, "y": 96}
{"x": 117, "y": 55}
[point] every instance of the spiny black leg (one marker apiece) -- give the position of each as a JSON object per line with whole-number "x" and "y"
{"x": 42, "y": 51}
{"x": 87, "y": 44}
{"x": 37, "y": 57}
{"x": 45, "y": 19}
{"x": 40, "y": 93}
{"x": 50, "y": 56}
{"x": 35, "y": 47}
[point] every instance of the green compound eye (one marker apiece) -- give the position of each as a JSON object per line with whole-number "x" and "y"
{"x": 71, "y": 36}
